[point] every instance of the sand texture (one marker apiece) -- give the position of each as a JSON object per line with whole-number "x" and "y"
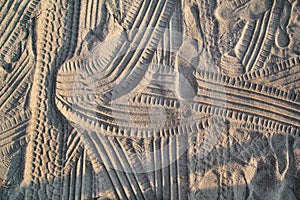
{"x": 150, "y": 99}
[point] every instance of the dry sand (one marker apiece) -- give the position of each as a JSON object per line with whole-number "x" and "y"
{"x": 150, "y": 99}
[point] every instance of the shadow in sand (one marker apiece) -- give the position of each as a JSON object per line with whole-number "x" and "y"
{"x": 262, "y": 167}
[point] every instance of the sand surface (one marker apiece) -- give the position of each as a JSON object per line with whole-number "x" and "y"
{"x": 150, "y": 99}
